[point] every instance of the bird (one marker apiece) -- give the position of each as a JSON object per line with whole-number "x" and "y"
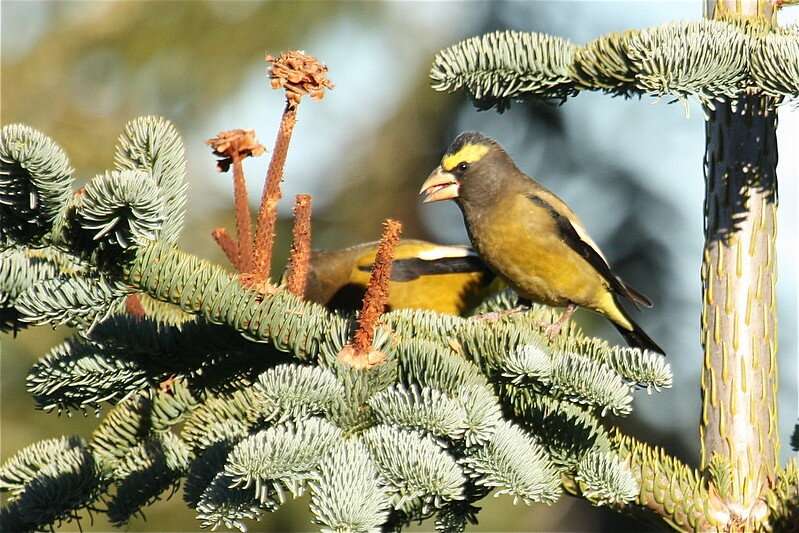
{"x": 530, "y": 238}
{"x": 450, "y": 279}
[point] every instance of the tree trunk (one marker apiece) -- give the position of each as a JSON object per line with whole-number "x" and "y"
{"x": 739, "y": 433}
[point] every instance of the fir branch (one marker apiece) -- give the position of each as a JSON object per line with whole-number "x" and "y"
{"x": 513, "y": 462}
{"x": 76, "y": 375}
{"x": 604, "y": 64}
{"x": 224, "y": 505}
{"x": 644, "y": 368}
{"x": 454, "y": 517}
{"x": 220, "y": 418}
{"x": 582, "y": 380}
{"x": 420, "y": 475}
{"x": 198, "y": 287}
{"x": 706, "y": 59}
{"x": 425, "y": 364}
{"x": 35, "y": 184}
{"x": 18, "y": 471}
{"x": 67, "y": 263}
{"x": 529, "y": 362}
{"x": 348, "y": 494}
{"x": 125, "y": 354}
{"x": 490, "y": 344}
{"x": 502, "y": 65}
{"x": 76, "y": 301}
{"x": 521, "y": 355}
{"x": 478, "y": 331}
{"x": 205, "y": 466}
{"x": 212, "y": 431}
{"x": 144, "y": 473}
{"x": 59, "y": 477}
{"x": 171, "y": 408}
{"x": 229, "y": 430}
{"x": 420, "y": 408}
{"x": 162, "y": 313}
{"x": 353, "y": 414}
{"x": 162, "y": 349}
{"x": 429, "y": 364}
{"x": 566, "y": 430}
{"x": 672, "y": 490}
{"x": 122, "y": 429}
{"x": 483, "y": 414}
{"x": 775, "y": 62}
{"x": 429, "y": 325}
{"x": 142, "y": 461}
{"x": 152, "y": 145}
{"x": 116, "y": 210}
{"x": 18, "y": 273}
{"x": 281, "y": 458}
{"x": 295, "y": 392}
{"x": 209, "y": 491}
{"x": 605, "y": 480}
{"x": 503, "y": 300}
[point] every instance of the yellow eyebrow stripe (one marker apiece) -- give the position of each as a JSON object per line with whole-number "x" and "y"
{"x": 469, "y": 153}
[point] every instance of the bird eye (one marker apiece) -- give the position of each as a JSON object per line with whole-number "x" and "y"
{"x": 463, "y": 166}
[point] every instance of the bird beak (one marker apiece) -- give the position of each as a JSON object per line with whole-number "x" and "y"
{"x": 438, "y": 186}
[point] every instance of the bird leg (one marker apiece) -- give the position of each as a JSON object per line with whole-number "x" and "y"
{"x": 493, "y": 316}
{"x": 553, "y": 330}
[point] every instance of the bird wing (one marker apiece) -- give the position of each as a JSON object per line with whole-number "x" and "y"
{"x": 414, "y": 267}
{"x": 559, "y": 206}
{"x": 576, "y": 237}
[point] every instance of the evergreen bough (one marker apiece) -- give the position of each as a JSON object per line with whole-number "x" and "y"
{"x": 258, "y": 408}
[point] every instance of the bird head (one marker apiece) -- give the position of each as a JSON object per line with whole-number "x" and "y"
{"x": 471, "y": 169}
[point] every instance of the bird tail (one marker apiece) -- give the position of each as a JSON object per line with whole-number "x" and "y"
{"x": 637, "y": 337}
{"x": 634, "y": 295}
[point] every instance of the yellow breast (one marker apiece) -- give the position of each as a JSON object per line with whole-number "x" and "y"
{"x": 521, "y": 242}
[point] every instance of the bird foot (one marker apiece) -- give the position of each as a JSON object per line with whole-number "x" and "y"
{"x": 493, "y": 316}
{"x": 168, "y": 385}
{"x": 553, "y": 330}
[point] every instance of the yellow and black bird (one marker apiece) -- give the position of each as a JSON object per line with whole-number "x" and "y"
{"x": 530, "y": 237}
{"x": 424, "y": 275}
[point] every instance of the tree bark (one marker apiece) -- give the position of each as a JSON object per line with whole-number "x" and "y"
{"x": 738, "y": 427}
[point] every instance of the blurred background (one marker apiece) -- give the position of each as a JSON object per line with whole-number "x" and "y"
{"x": 631, "y": 169}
